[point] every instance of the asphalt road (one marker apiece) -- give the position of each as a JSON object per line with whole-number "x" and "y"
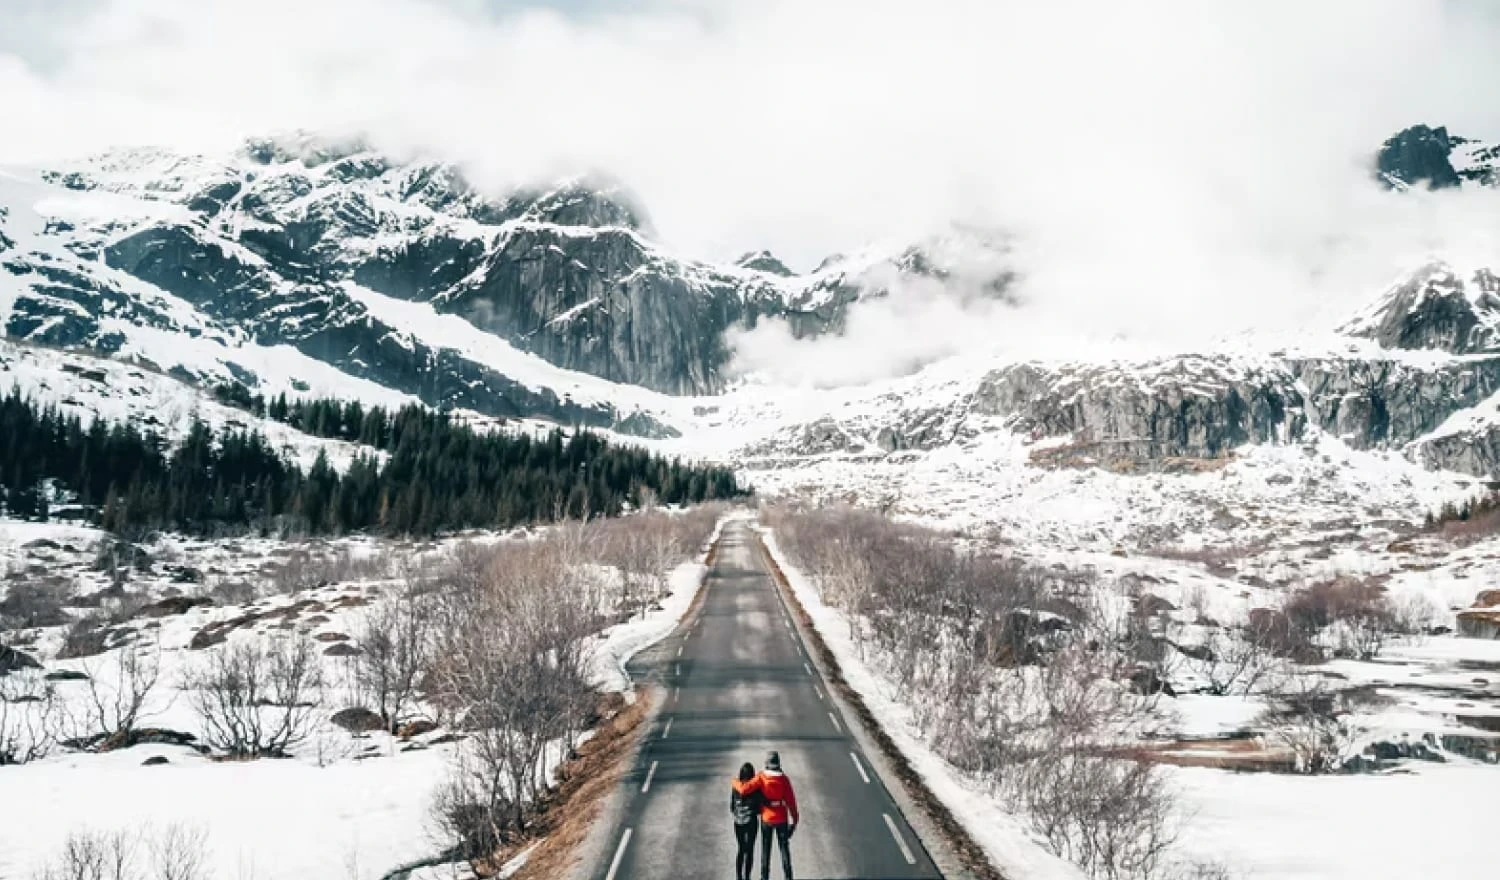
{"x": 738, "y": 682}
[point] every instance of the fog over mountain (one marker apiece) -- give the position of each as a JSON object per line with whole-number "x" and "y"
{"x": 1167, "y": 171}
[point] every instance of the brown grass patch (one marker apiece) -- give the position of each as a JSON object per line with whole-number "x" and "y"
{"x": 955, "y": 835}
{"x": 584, "y": 783}
{"x": 1246, "y": 755}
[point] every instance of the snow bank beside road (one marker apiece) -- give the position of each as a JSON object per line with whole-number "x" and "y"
{"x": 624, "y": 640}
{"x": 1010, "y": 847}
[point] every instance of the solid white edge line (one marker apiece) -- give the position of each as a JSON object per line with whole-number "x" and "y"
{"x": 614, "y": 866}
{"x": 668, "y": 729}
{"x": 857, "y": 766}
{"x": 836, "y": 726}
{"x": 651, "y": 774}
{"x": 905, "y": 851}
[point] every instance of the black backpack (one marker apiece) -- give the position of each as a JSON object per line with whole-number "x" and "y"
{"x": 747, "y": 808}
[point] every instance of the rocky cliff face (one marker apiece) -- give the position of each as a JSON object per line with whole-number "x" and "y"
{"x": 1425, "y": 383}
{"x": 1431, "y": 157}
{"x": 1199, "y": 407}
{"x": 1437, "y": 307}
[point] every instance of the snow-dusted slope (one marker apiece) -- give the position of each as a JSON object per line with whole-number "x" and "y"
{"x": 119, "y": 392}
{"x": 552, "y": 302}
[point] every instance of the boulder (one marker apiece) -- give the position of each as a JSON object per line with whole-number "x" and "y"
{"x": 12, "y": 660}
{"x": 419, "y": 727}
{"x": 154, "y": 761}
{"x": 357, "y": 719}
{"x": 342, "y": 649}
{"x": 174, "y": 605}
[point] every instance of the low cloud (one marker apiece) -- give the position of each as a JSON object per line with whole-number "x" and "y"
{"x": 1171, "y": 171}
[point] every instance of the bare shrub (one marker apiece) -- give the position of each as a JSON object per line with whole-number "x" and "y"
{"x": 33, "y": 603}
{"x": 1357, "y": 615}
{"x": 232, "y": 591}
{"x": 1015, "y": 674}
{"x": 121, "y": 693}
{"x": 89, "y": 855}
{"x": 312, "y": 566}
{"x": 394, "y": 640}
{"x": 179, "y": 853}
{"x": 1313, "y": 720}
{"x": 176, "y": 852}
{"x": 1111, "y": 817}
{"x": 258, "y": 699}
{"x": 1233, "y": 661}
{"x": 86, "y": 637}
{"x": 509, "y": 665}
{"x": 28, "y": 716}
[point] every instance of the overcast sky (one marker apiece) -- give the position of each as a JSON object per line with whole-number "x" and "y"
{"x": 1166, "y": 164}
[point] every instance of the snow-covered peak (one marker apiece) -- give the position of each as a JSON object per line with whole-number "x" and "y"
{"x": 1438, "y": 306}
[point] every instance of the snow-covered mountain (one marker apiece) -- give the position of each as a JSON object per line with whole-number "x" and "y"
{"x": 298, "y": 254}
{"x": 324, "y": 267}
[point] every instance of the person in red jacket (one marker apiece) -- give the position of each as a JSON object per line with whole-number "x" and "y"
{"x": 778, "y": 814}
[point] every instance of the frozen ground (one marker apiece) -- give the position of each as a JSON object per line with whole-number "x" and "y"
{"x": 348, "y": 805}
{"x": 1418, "y": 819}
{"x": 1436, "y": 821}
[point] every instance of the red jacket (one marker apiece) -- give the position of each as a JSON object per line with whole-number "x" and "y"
{"x": 781, "y": 801}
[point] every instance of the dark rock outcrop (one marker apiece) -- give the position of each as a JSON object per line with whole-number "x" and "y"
{"x": 1436, "y": 308}
{"x": 357, "y": 719}
{"x": 1416, "y": 155}
{"x": 12, "y": 660}
{"x": 1191, "y": 406}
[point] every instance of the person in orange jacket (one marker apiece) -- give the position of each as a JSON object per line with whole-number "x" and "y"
{"x": 778, "y": 814}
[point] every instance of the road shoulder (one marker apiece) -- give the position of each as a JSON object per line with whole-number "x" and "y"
{"x": 957, "y": 855}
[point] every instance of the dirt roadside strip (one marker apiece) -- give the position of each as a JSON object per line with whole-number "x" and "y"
{"x": 956, "y": 853}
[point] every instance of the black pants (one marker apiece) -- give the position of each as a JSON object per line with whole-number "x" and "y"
{"x": 744, "y": 859}
{"x": 766, "y": 830}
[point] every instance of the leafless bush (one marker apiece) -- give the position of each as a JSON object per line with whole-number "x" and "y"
{"x": 1199, "y": 870}
{"x": 87, "y": 636}
{"x": 28, "y": 716}
{"x": 179, "y": 853}
{"x": 395, "y": 641}
{"x": 88, "y": 855}
{"x": 510, "y": 667}
{"x": 1232, "y": 661}
{"x": 258, "y": 699}
{"x": 310, "y": 567}
{"x": 33, "y": 603}
{"x": 121, "y": 694}
{"x": 176, "y": 852}
{"x": 1357, "y": 614}
{"x": 1015, "y": 674}
{"x": 1113, "y": 818}
{"x": 232, "y": 591}
{"x": 1313, "y": 721}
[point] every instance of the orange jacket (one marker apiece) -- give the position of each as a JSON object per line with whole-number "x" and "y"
{"x": 780, "y": 801}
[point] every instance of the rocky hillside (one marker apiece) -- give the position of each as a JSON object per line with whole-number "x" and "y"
{"x": 1417, "y": 373}
{"x": 1431, "y": 156}
{"x": 402, "y": 274}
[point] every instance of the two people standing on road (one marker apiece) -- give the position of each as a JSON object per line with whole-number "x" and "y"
{"x": 769, "y": 793}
